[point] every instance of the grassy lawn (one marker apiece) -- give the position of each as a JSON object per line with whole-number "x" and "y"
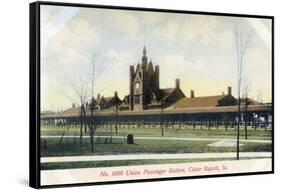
{"x": 185, "y": 131}
{"x": 112, "y": 163}
{"x": 69, "y": 147}
{"x": 113, "y": 146}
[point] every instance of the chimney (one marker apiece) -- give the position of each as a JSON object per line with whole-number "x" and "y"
{"x": 98, "y": 96}
{"x": 191, "y": 93}
{"x": 177, "y": 83}
{"x": 115, "y": 94}
{"x": 229, "y": 90}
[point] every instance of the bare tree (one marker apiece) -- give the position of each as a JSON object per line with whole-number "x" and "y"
{"x": 243, "y": 37}
{"x": 82, "y": 92}
{"x": 246, "y": 115}
{"x": 94, "y": 76}
{"x": 92, "y": 104}
{"x": 81, "y": 95}
{"x": 259, "y": 97}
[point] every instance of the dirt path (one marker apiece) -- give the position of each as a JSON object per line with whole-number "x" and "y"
{"x": 155, "y": 156}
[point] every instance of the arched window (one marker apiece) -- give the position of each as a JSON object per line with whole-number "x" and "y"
{"x": 137, "y": 85}
{"x": 153, "y": 99}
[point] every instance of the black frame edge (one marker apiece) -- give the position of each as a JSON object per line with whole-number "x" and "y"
{"x": 272, "y": 94}
{"x": 85, "y": 5}
{"x": 34, "y": 156}
{"x": 34, "y": 97}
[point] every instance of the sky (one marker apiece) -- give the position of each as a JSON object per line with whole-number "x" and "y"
{"x": 200, "y": 50}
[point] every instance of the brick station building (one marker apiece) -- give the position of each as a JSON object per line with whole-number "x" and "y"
{"x": 145, "y": 93}
{"x": 146, "y": 100}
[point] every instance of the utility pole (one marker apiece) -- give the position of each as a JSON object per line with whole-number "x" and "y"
{"x": 162, "y": 110}
{"x": 116, "y": 119}
{"x": 238, "y": 124}
{"x": 81, "y": 123}
{"x": 239, "y": 65}
{"x": 243, "y": 38}
{"x": 246, "y": 116}
{"x": 92, "y": 106}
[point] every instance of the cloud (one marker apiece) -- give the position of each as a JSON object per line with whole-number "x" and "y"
{"x": 66, "y": 44}
{"x": 77, "y": 36}
{"x": 168, "y": 31}
{"x": 200, "y": 29}
{"x": 261, "y": 29}
{"x": 177, "y": 62}
{"x": 207, "y": 31}
{"x": 195, "y": 48}
{"x": 118, "y": 58}
{"x": 125, "y": 22}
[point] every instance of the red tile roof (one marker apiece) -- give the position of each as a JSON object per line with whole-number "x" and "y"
{"x": 204, "y": 101}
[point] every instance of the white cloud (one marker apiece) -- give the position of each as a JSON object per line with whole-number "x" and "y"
{"x": 199, "y": 28}
{"x": 77, "y": 36}
{"x": 197, "y": 49}
{"x": 125, "y": 22}
{"x": 207, "y": 30}
{"x": 261, "y": 29}
{"x": 175, "y": 63}
{"x": 168, "y": 31}
{"x": 118, "y": 58}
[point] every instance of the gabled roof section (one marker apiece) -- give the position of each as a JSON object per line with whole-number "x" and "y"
{"x": 165, "y": 92}
{"x": 204, "y": 101}
{"x": 249, "y": 101}
{"x": 111, "y": 102}
{"x": 137, "y": 69}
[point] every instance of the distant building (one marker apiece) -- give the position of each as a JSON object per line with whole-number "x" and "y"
{"x": 105, "y": 103}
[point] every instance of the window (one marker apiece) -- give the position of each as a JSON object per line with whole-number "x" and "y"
{"x": 137, "y": 85}
{"x": 153, "y": 99}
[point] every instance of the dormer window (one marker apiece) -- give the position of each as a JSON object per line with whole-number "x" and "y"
{"x": 153, "y": 99}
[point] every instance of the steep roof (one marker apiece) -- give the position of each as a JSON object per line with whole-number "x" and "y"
{"x": 250, "y": 101}
{"x": 104, "y": 100}
{"x": 110, "y": 102}
{"x": 107, "y": 99}
{"x": 165, "y": 92}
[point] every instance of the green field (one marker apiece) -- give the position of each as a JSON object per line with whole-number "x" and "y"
{"x": 107, "y": 142}
{"x": 71, "y": 147}
{"x": 187, "y": 131}
{"x": 106, "y": 145}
